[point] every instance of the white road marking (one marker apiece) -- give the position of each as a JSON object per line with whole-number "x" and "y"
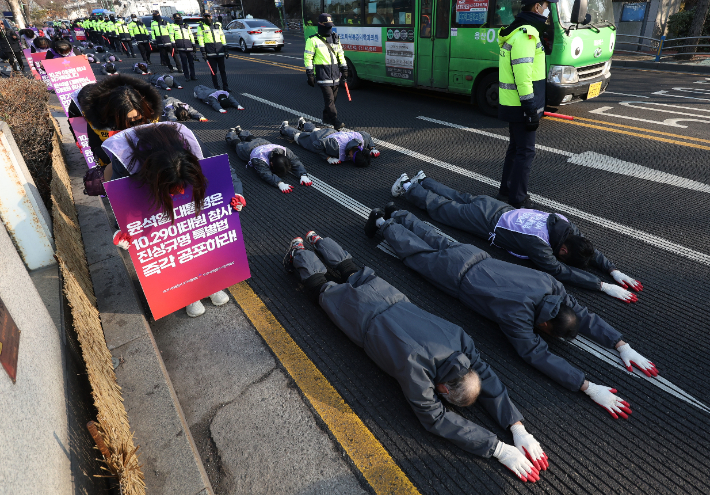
{"x": 640, "y": 235}
{"x": 665, "y": 93}
{"x": 692, "y": 90}
{"x": 624, "y": 94}
{"x": 606, "y": 355}
{"x": 666, "y": 122}
{"x": 645, "y": 105}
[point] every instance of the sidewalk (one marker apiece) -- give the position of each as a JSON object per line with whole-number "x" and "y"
{"x": 700, "y": 65}
{"x": 249, "y": 430}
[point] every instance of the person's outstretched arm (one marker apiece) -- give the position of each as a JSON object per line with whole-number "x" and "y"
{"x": 265, "y": 173}
{"x": 212, "y": 101}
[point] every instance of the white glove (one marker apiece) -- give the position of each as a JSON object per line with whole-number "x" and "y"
{"x": 625, "y": 281}
{"x": 619, "y": 293}
{"x": 375, "y": 153}
{"x": 604, "y": 396}
{"x": 511, "y": 458}
{"x": 305, "y": 181}
{"x": 222, "y": 110}
{"x": 629, "y": 357}
{"x": 333, "y": 161}
{"x": 285, "y": 188}
{"x": 529, "y": 447}
{"x": 122, "y": 240}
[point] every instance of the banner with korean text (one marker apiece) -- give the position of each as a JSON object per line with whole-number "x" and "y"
{"x": 67, "y": 74}
{"x": 34, "y": 60}
{"x": 78, "y": 125}
{"x": 197, "y": 255}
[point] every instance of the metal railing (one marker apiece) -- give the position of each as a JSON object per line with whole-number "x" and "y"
{"x": 659, "y": 45}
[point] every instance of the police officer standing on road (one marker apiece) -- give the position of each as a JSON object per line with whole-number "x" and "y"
{"x": 521, "y": 90}
{"x": 163, "y": 38}
{"x": 213, "y": 46}
{"x": 124, "y": 38}
{"x": 140, "y": 33}
{"x": 325, "y": 63}
{"x": 184, "y": 41}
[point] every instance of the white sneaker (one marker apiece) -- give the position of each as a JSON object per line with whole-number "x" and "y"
{"x": 222, "y": 110}
{"x": 219, "y": 298}
{"x": 284, "y": 124}
{"x": 301, "y": 123}
{"x": 195, "y": 309}
{"x": 418, "y": 178}
{"x": 397, "y": 189}
{"x": 239, "y": 107}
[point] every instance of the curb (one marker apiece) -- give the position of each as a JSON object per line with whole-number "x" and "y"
{"x": 168, "y": 455}
{"x": 664, "y": 66}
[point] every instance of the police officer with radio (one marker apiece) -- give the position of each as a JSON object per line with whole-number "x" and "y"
{"x": 521, "y": 90}
{"x": 184, "y": 42}
{"x": 213, "y": 46}
{"x": 325, "y": 63}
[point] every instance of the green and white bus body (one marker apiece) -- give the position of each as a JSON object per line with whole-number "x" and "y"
{"x": 452, "y": 45}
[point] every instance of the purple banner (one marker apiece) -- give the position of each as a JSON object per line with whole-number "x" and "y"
{"x": 197, "y": 255}
{"x": 78, "y": 125}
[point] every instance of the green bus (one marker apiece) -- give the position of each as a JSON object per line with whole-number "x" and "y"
{"x": 452, "y": 45}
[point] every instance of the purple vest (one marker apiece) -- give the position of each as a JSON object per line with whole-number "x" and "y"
{"x": 262, "y": 153}
{"x": 527, "y": 222}
{"x": 59, "y": 55}
{"x": 217, "y": 93}
{"x": 117, "y": 145}
{"x": 343, "y": 138}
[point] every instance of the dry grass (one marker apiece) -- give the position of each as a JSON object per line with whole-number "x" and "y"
{"x": 112, "y": 416}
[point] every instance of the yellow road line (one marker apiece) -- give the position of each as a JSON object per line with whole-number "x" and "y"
{"x": 368, "y": 454}
{"x": 655, "y": 138}
{"x": 268, "y": 62}
{"x": 644, "y": 129}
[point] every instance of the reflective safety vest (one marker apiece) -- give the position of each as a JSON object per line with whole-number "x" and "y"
{"x": 211, "y": 39}
{"x": 139, "y": 32}
{"x": 161, "y": 34}
{"x": 182, "y": 36}
{"x": 521, "y": 73}
{"x": 110, "y": 27}
{"x": 319, "y": 60}
{"x": 122, "y": 30}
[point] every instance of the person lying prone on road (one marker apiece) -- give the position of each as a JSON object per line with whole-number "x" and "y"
{"x": 525, "y": 303}
{"x": 553, "y": 243}
{"x": 109, "y": 69}
{"x": 178, "y": 111}
{"x": 431, "y": 358}
{"x": 164, "y": 81}
{"x": 219, "y": 100}
{"x": 334, "y": 146}
{"x": 270, "y": 161}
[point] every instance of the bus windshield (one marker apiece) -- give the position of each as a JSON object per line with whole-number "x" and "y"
{"x": 599, "y": 12}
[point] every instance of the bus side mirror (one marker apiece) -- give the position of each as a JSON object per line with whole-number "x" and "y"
{"x": 579, "y": 12}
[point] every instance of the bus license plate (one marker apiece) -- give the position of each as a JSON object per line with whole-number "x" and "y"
{"x": 273, "y": 43}
{"x": 594, "y": 90}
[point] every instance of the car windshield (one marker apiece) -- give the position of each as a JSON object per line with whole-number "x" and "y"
{"x": 256, "y": 24}
{"x": 599, "y": 12}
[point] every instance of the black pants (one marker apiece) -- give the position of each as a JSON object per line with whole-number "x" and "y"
{"x": 518, "y": 162}
{"x": 187, "y": 63}
{"x": 218, "y": 63}
{"x": 144, "y": 48}
{"x": 330, "y": 113}
{"x": 165, "y": 53}
{"x": 127, "y": 45}
{"x": 18, "y": 55}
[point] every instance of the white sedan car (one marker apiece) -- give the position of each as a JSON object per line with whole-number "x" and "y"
{"x": 248, "y": 34}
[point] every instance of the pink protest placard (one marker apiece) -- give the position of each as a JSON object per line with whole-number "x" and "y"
{"x": 67, "y": 74}
{"x": 80, "y": 35}
{"x": 197, "y": 255}
{"x": 78, "y": 125}
{"x": 34, "y": 60}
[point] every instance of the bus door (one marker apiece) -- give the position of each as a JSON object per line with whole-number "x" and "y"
{"x": 433, "y": 43}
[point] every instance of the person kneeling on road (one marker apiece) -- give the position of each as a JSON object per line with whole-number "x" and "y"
{"x": 111, "y": 58}
{"x": 554, "y": 244}
{"x": 109, "y": 69}
{"x": 165, "y": 158}
{"x": 165, "y": 82}
{"x": 525, "y": 303}
{"x": 218, "y": 100}
{"x": 141, "y": 68}
{"x": 269, "y": 161}
{"x": 431, "y": 358}
{"x": 178, "y": 111}
{"x": 335, "y": 146}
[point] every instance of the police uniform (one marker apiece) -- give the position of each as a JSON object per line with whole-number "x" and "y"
{"x": 124, "y": 37}
{"x": 160, "y": 31}
{"x": 213, "y": 46}
{"x": 140, "y": 33}
{"x": 521, "y": 101}
{"x": 325, "y": 61}
{"x": 184, "y": 42}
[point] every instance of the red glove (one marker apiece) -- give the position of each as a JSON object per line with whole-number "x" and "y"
{"x": 122, "y": 240}
{"x": 238, "y": 202}
{"x": 305, "y": 181}
{"x": 285, "y": 188}
{"x": 374, "y": 153}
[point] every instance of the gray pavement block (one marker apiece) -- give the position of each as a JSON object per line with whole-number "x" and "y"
{"x": 46, "y": 281}
{"x": 96, "y": 231}
{"x": 292, "y": 454}
{"x": 668, "y": 66}
{"x": 167, "y": 453}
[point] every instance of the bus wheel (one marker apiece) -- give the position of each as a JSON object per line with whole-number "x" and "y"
{"x": 487, "y": 95}
{"x": 354, "y": 82}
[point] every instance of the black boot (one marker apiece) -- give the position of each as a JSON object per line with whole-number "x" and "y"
{"x": 371, "y": 224}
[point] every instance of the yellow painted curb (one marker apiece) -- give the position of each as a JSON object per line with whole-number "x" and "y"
{"x": 368, "y": 454}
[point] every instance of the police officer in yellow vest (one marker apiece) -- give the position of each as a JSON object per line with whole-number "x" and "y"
{"x": 213, "y": 46}
{"x": 325, "y": 63}
{"x": 124, "y": 37}
{"x": 521, "y": 95}
{"x": 184, "y": 43}
{"x": 164, "y": 40}
{"x": 111, "y": 33}
{"x": 140, "y": 33}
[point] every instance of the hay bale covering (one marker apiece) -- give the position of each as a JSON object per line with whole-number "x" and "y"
{"x": 112, "y": 417}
